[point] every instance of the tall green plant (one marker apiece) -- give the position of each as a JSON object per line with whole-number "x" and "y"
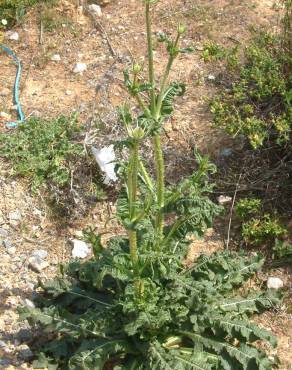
{"x": 135, "y": 305}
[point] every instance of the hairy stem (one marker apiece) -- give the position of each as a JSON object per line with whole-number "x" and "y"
{"x": 164, "y": 79}
{"x": 150, "y": 56}
{"x": 132, "y": 190}
{"x": 159, "y": 164}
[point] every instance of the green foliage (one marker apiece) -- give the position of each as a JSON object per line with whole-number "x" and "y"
{"x": 258, "y": 227}
{"x": 282, "y": 253}
{"x": 260, "y": 230}
{"x": 182, "y": 319}
{"x": 43, "y": 150}
{"x": 247, "y": 207}
{"x": 258, "y": 103}
{"x": 14, "y": 10}
{"x": 135, "y": 305}
{"x": 212, "y": 52}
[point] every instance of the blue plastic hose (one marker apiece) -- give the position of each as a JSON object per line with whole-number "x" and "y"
{"x": 20, "y": 113}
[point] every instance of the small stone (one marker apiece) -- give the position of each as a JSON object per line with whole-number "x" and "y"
{"x": 11, "y": 250}
{"x": 11, "y": 35}
{"x": 5, "y": 115}
{"x": 226, "y": 152}
{"x": 95, "y": 10}
{"x": 68, "y": 92}
{"x": 211, "y": 78}
{"x": 15, "y": 215}
{"x": 37, "y": 264}
{"x": 37, "y": 212}
{"x": 80, "y": 67}
{"x": 41, "y": 253}
{"x": 3, "y": 344}
{"x": 223, "y": 199}
{"x": 3, "y": 232}
{"x": 7, "y": 244}
{"x": 56, "y": 58}
{"x": 4, "y": 22}
{"x": 24, "y": 352}
{"x": 5, "y": 91}
{"x": 275, "y": 283}
{"x": 29, "y": 303}
{"x": 80, "y": 249}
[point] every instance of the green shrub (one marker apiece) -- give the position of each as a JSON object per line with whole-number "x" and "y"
{"x": 247, "y": 207}
{"x": 259, "y": 230}
{"x": 212, "y": 52}
{"x": 135, "y": 305}
{"x": 14, "y": 10}
{"x": 257, "y": 227}
{"x": 282, "y": 253}
{"x": 258, "y": 103}
{"x": 43, "y": 151}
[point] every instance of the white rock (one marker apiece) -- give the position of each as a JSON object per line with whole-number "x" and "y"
{"x": 80, "y": 249}
{"x": 37, "y": 264}
{"x": 95, "y": 10}
{"x": 5, "y": 91}
{"x": 11, "y": 251}
{"x": 37, "y": 212}
{"x": 56, "y": 58}
{"x": 68, "y": 92}
{"x": 223, "y": 199}
{"x": 4, "y": 22}
{"x": 15, "y": 215}
{"x": 5, "y": 115}
{"x": 105, "y": 158}
{"x": 10, "y": 35}
{"x": 7, "y": 244}
{"x": 3, "y": 232}
{"x": 211, "y": 78}
{"x": 275, "y": 283}
{"x": 80, "y": 67}
{"x": 41, "y": 253}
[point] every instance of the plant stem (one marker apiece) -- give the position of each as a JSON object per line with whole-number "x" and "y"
{"x": 132, "y": 189}
{"x": 145, "y": 176}
{"x": 159, "y": 164}
{"x": 150, "y": 56}
{"x": 164, "y": 79}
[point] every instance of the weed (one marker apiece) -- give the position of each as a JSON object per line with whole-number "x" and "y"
{"x": 212, "y": 52}
{"x": 259, "y": 230}
{"x": 247, "y": 207}
{"x": 49, "y": 155}
{"x": 43, "y": 150}
{"x": 258, "y": 102}
{"x": 134, "y": 304}
{"x": 258, "y": 227}
{"x": 14, "y": 10}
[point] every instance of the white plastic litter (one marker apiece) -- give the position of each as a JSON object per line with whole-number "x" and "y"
{"x": 105, "y": 158}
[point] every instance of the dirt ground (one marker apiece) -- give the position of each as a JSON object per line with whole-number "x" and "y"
{"x": 50, "y": 88}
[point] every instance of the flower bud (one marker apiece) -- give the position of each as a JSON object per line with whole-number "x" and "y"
{"x": 137, "y": 133}
{"x": 181, "y": 28}
{"x": 136, "y": 68}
